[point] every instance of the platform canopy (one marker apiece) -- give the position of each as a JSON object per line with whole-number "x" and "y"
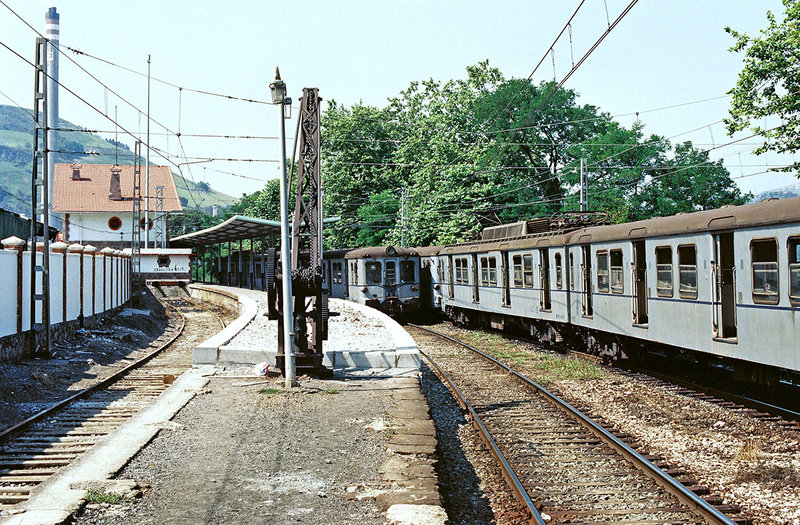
{"x": 236, "y": 228}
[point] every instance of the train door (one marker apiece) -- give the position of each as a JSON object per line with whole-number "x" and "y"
{"x": 544, "y": 279}
{"x": 586, "y": 278}
{"x": 724, "y": 269}
{"x": 639, "y": 283}
{"x": 452, "y": 286}
{"x": 506, "y": 279}
{"x": 475, "y": 281}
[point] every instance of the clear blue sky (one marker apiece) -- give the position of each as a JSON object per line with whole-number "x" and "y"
{"x": 663, "y": 53}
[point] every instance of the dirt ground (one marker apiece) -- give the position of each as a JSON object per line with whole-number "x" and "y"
{"x": 309, "y": 455}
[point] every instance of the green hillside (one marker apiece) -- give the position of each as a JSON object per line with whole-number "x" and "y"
{"x": 16, "y": 149}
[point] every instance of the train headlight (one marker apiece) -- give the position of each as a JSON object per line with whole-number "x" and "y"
{"x": 415, "y": 288}
{"x": 363, "y": 288}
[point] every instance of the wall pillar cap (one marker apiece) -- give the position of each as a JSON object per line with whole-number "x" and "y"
{"x": 14, "y": 243}
{"x": 75, "y": 248}
{"x": 59, "y": 247}
{"x": 108, "y": 252}
{"x": 89, "y": 250}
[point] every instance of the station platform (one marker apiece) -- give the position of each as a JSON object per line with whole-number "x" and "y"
{"x": 360, "y": 339}
{"x": 223, "y": 445}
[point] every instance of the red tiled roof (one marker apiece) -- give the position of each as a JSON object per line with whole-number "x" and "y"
{"x": 90, "y": 192}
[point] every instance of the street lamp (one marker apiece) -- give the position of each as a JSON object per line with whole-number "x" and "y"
{"x": 278, "y": 88}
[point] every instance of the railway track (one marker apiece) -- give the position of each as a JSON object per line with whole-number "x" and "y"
{"x": 35, "y": 449}
{"x": 564, "y": 467}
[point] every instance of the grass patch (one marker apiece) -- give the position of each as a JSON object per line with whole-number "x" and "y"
{"x": 331, "y": 391}
{"x": 268, "y": 391}
{"x": 388, "y": 433}
{"x": 101, "y": 496}
{"x": 554, "y": 367}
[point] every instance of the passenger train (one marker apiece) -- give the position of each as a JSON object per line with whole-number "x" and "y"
{"x": 721, "y": 285}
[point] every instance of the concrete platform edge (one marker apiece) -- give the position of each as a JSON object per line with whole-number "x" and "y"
{"x": 208, "y": 352}
{"x": 54, "y": 501}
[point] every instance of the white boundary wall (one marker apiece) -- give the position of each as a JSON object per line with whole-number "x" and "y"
{"x": 111, "y": 287}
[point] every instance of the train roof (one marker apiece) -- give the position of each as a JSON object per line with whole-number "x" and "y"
{"x": 381, "y": 251}
{"x": 336, "y": 254}
{"x": 427, "y": 251}
{"x": 542, "y": 240}
{"x": 764, "y": 213}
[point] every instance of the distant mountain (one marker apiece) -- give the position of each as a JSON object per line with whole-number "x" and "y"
{"x": 785, "y": 192}
{"x": 16, "y": 150}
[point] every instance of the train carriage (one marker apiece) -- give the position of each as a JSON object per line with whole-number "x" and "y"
{"x": 724, "y": 283}
{"x": 384, "y": 277}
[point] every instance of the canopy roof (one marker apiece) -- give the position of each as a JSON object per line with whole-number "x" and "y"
{"x": 236, "y": 228}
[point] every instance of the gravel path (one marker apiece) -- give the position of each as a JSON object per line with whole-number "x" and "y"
{"x": 310, "y": 455}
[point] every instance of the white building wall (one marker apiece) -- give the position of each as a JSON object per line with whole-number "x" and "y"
{"x": 116, "y": 291}
{"x": 8, "y": 289}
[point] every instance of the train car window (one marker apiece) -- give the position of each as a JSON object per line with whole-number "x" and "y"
{"x": 571, "y": 272}
{"x": 687, "y": 271}
{"x": 602, "y": 271}
{"x": 559, "y": 277}
{"x": 373, "y": 272}
{"x": 492, "y": 271}
{"x": 765, "y": 271}
{"x": 337, "y": 273}
{"x": 518, "y": 271}
{"x": 484, "y": 271}
{"x": 617, "y": 278}
{"x": 794, "y": 270}
{"x": 664, "y": 271}
{"x": 391, "y": 273}
{"x": 406, "y": 271}
{"x": 462, "y": 275}
{"x": 527, "y": 270}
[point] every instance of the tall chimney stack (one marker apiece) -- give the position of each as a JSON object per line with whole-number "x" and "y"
{"x": 52, "y": 25}
{"x": 115, "y": 189}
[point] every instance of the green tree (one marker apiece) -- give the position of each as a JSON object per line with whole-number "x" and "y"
{"x": 378, "y": 219}
{"x": 688, "y": 182}
{"x": 358, "y": 145}
{"x": 769, "y": 83}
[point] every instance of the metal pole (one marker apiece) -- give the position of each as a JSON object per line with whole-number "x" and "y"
{"x": 147, "y": 167}
{"x": 403, "y": 241}
{"x": 286, "y": 267}
{"x": 583, "y": 185}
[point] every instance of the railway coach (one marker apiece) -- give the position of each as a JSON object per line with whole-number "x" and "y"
{"x": 384, "y": 277}
{"x": 723, "y": 283}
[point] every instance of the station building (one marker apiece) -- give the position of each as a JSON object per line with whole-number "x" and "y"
{"x": 95, "y": 202}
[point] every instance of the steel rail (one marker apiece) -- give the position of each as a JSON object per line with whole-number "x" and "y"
{"x": 746, "y": 401}
{"x": 508, "y": 472}
{"x": 684, "y": 495}
{"x": 56, "y": 407}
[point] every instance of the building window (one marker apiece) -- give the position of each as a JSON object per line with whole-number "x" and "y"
{"x": 617, "y": 276}
{"x": 794, "y": 270}
{"x": 407, "y": 272}
{"x": 391, "y": 274}
{"x": 527, "y": 270}
{"x": 517, "y": 260}
{"x": 664, "y": 271}
{"x": 559, "y": 276}
{"x": 687, "y": 271}
{"x": 114, "y": 223}
{"x": 373, "y": 272}
{"x": 602, "y": 271}
{"x": 765, "y": 271}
